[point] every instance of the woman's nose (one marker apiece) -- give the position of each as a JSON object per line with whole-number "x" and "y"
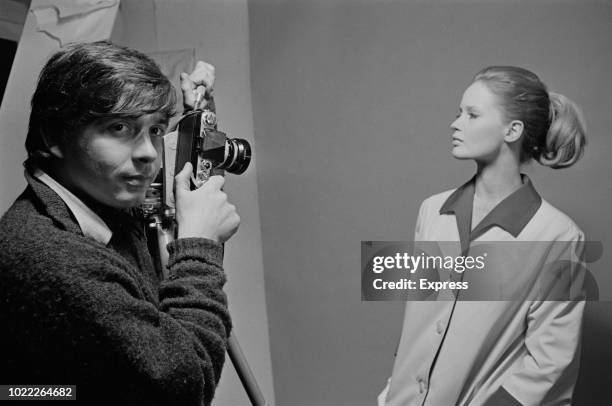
{"x": 455, "y": 124}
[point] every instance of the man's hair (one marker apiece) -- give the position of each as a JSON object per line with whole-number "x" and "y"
{"x": 84, "y": 82}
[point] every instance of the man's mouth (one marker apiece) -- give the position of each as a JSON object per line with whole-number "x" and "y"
{"x": 137, "y": 180}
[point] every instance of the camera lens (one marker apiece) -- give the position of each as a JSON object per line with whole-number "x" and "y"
{"x": 238, "y": 156}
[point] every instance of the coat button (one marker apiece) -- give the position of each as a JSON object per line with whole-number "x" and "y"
{"x": 422, "y": 385}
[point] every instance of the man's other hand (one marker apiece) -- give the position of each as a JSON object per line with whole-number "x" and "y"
{"x": 201, "y": 80}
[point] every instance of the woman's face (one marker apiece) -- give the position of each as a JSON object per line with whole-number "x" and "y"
{"x": 478, "y": 131}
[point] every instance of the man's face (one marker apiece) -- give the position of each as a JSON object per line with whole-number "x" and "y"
{"x": 113, "y": 161}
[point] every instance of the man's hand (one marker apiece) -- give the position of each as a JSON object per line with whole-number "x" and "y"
{"x": 204, "y": 212}
{"x": 201, "y": 80}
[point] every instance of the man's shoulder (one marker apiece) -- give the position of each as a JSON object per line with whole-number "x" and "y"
{"x": 29, "y": 236}
{"x": 23, "y": 219}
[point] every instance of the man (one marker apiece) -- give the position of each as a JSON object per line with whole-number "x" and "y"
{"x": 80, "y": 302}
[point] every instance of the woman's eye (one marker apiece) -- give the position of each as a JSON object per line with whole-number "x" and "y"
{"x": 472, "y": 115}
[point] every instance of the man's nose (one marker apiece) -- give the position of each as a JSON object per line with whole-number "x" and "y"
{"x": 146, "y": 149}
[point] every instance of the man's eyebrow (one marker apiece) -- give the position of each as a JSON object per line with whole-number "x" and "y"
{"x": 101, "y": 121}
{"x": 161, "y": 119}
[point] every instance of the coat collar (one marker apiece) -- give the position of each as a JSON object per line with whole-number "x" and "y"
{"x": 512, "y": 214}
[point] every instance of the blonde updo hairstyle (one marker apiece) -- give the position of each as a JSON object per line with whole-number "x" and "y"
{"x": 553, "y": 126}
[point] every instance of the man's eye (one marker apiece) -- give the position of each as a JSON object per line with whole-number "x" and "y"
{"x": 158, "y": 131}
{"x": 118, "y": 127}
{"x": 472, "y": 115}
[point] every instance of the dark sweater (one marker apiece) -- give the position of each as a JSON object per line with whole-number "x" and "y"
{"x": 76, "y": 312}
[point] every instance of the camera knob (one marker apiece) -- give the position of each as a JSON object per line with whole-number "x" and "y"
{"x": 209, "y": 118}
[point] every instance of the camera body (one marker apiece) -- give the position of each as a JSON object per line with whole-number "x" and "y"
{"x": 210, "y": 151}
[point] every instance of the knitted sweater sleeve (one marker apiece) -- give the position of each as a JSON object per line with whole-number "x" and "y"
{"x": 193, "y": 297}
{"x": 77, "y": 313}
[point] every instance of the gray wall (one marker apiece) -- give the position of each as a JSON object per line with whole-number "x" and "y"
{"x": 352, "y": 103}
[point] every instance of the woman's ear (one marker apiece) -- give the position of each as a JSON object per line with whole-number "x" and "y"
{"x": 514, "y": 131}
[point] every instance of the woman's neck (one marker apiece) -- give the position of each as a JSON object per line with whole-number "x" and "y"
{"x": 498, "y": 180}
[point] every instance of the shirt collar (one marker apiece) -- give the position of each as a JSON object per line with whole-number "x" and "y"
{"x": 512, "y": 214}
{"x": 91, "y": 224}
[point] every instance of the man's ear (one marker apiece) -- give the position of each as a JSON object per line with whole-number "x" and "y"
{"x": 51, "y": 146}
{"x": 56, "y": 152}
{"x": 514, "y": 130}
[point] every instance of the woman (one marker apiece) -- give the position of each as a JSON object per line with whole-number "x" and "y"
{"x": 523, "y": 350}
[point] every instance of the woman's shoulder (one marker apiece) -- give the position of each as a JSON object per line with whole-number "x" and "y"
{"x": 553, "y": 220}
{"x": 436, "y": 201}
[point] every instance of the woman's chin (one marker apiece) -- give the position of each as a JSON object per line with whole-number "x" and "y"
{"x": 458, "y": 154}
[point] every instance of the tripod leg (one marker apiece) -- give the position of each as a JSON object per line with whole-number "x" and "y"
{"x": 244, "y": 372}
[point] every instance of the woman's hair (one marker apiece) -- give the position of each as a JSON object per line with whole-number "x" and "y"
{"x": 553, "y": 126}
{"x": 84, "y": 82}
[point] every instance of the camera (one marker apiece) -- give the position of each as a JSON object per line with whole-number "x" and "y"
{"x": 210, "y": 151}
